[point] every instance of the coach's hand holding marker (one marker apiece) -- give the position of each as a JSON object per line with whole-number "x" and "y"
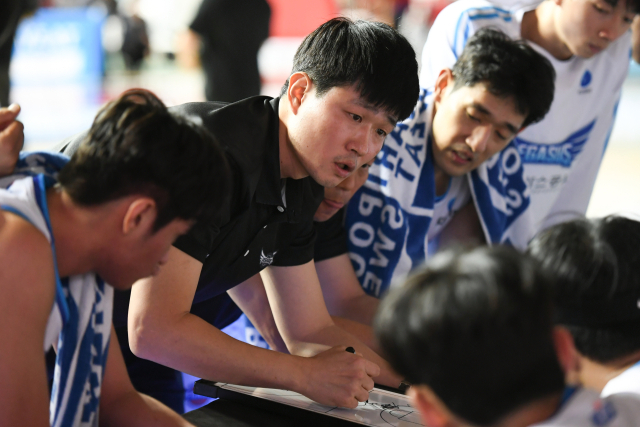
{"x": 353, "y": 351}
{"x": 337, "y": 378}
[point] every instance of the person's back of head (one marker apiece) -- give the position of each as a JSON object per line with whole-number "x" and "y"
{"x": 373, "y": 58}
{"x": 475, "y": 327}
{"x": 598, "y": 287}
{"x": 137, "y": 147}
{"x": 509, "y": 68}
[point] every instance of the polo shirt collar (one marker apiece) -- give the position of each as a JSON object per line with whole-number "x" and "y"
{"x": 269, "y": 184}
{"x": 269, "y": 188}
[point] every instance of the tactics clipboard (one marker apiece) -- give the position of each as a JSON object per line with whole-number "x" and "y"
{"x": 384, "y": 408}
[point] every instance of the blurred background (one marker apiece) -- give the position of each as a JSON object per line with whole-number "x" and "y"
{"x": 65, "y": 58}
{"x": 62, "y": 59}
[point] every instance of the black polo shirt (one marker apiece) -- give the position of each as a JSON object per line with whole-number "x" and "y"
{"x": 332, "y": 237}
{"x": 257, "y": 228}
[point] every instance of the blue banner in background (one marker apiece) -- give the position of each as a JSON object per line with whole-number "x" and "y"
{"x": 59, "y": 45}
{"x": 56, "y": 72}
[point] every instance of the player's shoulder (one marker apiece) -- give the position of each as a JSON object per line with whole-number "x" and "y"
{"x": 474, "y": 10}
{"x": 623, "y": 409}
{"x": 585, "y": 408}
{"x": 23, "y": 246}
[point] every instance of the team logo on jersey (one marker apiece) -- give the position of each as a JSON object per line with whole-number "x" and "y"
{"x": 586, "y": 79}
{"x": 266, "y": 260}
{"x": 562, "y": 153}
{"x": 603, "y": 412}
{"x": 585, "y": 82}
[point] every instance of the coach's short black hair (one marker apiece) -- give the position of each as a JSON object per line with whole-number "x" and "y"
{"x": 509, "y": 68}
{"x": 598, "y": 291}
{"x": 475, "y": 326}
{"x": 136, "y": 146}
{"x": 370, "y": 56}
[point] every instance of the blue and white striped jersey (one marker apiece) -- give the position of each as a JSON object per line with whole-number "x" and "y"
{"x": 80, "y": 319}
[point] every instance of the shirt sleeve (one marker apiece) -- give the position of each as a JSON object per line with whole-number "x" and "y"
{"x": 300, "y": 250}
{"x": 332, "y": 238}
{"x": 198, "y": 241}
{"x": 447, "y": 38}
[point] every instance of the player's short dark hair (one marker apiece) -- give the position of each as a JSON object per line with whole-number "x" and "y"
{"x": 509, "y": 68}
{"x": 598, "y": 291}
{"x": 370, "y": 56}
{"x": 632, "y": 6}
{"x": 474, "y": 325}
{"x": 136, "y": 146}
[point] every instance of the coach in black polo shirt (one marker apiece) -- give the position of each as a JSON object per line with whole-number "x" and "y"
{"x": 351, "y": 83}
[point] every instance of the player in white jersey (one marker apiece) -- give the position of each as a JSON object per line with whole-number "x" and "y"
{"x": 473, "y": 332}
{"x": 109, "y": 215}
{"x": 588, "y": 43}
{"x": 422, "y": 175}
{"x": 598, "y": 297}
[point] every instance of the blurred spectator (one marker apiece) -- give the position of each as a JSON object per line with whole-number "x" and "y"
{"x": 10, "y": 13}
{"x": 229, "y": 34}
{"x": 135, "y": 43}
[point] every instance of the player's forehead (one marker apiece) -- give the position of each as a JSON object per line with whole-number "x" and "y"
{"x": 500, "y": 109}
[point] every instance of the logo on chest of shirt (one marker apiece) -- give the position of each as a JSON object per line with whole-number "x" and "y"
{"x": 585, "y": 82}
{"x": 562, "y": 153}
{"x": 266, "y": 260}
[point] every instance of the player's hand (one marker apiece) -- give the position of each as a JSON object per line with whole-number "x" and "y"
{"x": 338, "y": 378}
{"x": 11, "y": 138}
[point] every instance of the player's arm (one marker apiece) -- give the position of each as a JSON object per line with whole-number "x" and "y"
{"x": 11, "y": 138}
{"x": 349, "y": 305}
{"x": 122, "y": 405}
{"x": 342, "y": 291}
{"x": 27, "y": 291}
{"x": 252, "y": 299}
{"x": 162, "y": 329}
{"x": 302, "y": 317}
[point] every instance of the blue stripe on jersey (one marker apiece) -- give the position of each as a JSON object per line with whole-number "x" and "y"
{"x": 68, "y": 338}
{"x": 606, "y": 141}
{"x": 83, "y": 370}
{"x": 455, "y": 37}
{"x": 15, "y": 212}
{"x": 41, "y": 199}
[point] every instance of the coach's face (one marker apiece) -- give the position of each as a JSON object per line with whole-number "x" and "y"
{"x": 587, "y": 27}
{"x": 470, "y": 124}
{"x": 334, "y": 134}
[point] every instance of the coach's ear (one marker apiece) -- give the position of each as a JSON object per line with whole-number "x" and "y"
{"x": 434, "y": 413}
{"x": 140, "y": 216}
{"x": 300, "y": 84}
{"x": 444, "y": 81}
